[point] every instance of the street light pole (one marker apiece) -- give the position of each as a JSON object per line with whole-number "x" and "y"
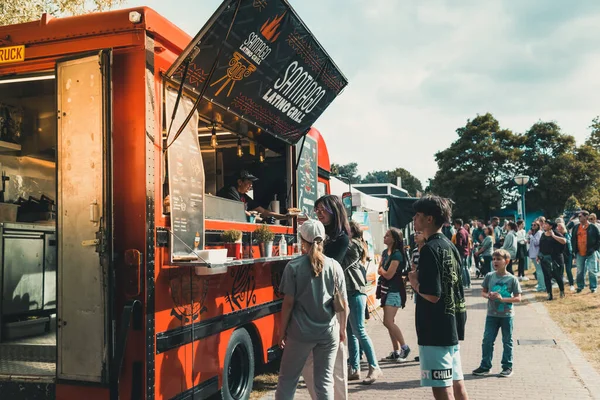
{"x": 523, "y": 200}
{"x": 521, "y": 181}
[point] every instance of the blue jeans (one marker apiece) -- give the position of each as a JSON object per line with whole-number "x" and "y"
{"x": 569, "y": 267}
{"x": 539, "y": 276}
{"x": 466, "y": 272}
{"x": 356, "y": 332}
{"x": 492, "y": 326}
{"x": 586, "y": 263}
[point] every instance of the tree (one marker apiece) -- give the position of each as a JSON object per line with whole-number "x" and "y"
{"x": 550, "y": 160}
{"x": 585, "y": 177}
{"x": 409, "y": 181}
{"x": 594, "y": 139}
{"x": 476, "y": 171}
{"x": 348, "y": 171}
{"x": 18, "y": 11}
{"x": 572, "y": 204}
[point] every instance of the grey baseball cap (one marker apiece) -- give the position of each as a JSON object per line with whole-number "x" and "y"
{"x": 312, "y": 230}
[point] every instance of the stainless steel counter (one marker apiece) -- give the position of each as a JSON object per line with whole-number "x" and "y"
{"x": 203, "y": 268}
{"x": 27, "y": 270}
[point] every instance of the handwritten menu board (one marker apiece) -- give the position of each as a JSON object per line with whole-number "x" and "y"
{"x": 186, "y": 182}
{"x": 307, "y": 176}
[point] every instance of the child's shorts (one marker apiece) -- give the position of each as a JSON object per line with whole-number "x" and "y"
{"x": 393, "y": 299}
{"x": 440, "y": 365}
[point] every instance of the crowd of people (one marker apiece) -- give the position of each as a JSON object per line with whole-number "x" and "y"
{"x": 323, "y": 333}
{"x": 550, "y": 247}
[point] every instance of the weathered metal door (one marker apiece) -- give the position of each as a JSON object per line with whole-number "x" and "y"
{"x": 84, "y": 217}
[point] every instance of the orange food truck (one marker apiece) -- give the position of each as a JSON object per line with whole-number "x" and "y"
{"x": 117, "y": 131}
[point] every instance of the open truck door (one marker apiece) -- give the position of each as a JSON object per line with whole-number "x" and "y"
{"x": 84, "y": 217}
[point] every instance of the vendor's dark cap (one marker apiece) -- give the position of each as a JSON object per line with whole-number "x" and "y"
{"x": 247, "y": 175}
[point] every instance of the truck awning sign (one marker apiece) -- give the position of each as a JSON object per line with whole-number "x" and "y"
{"x": 12, "y": 54}
{"x": 268, "y": 68}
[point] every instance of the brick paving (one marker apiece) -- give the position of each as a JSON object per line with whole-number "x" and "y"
{"x": 541, "y": 371}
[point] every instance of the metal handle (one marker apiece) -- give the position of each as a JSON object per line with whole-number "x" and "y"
{"x": 94, "y": 212}
{"x": 23, "y": 236}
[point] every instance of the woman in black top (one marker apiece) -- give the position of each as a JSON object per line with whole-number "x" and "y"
{"x": 332, "y": 214}
{"x": 393, "y": 291}
{"x": 552, "y": 246}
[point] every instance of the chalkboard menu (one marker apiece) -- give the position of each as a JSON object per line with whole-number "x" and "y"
{"x": 307, "y": 174}
{"x": 186, "y": 182}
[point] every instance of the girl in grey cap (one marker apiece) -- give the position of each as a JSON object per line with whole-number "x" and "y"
{"x": 308, "y": 320}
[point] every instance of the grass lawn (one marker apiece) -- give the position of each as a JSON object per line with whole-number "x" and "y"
{"x": 578, "y": 315}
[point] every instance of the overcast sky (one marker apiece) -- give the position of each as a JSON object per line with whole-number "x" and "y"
{"x": 420, "y": 69}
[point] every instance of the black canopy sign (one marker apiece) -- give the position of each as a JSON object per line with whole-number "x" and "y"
{"x": 270, "y": 70}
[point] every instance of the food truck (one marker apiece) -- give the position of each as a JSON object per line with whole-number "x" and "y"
{"x": 117, "y": 130}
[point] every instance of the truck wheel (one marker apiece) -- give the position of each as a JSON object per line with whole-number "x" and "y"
{"x": 238, "y": 369}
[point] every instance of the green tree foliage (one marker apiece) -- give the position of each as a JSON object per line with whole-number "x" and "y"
{"x": 348, "y": 171}
{"x": 586, "y": 177}
{"x": 409, "y": 181}
{"x": 18, "y": 11}
{"x": 572, "y": 203}
{"x": 549, "y": 158}
{"x": 594, "y": 139}
{"x": 476, "y": 171}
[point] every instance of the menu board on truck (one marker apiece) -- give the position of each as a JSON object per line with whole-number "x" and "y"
{"x": 307, "y": 176}
{"x": 269, "y": 69}
{"x": 186, "y": 183}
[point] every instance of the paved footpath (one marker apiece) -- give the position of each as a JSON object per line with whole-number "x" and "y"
{"x": 551, "y": 369}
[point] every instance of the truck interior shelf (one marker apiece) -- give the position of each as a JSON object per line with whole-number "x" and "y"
{"x": 8, "y": 147}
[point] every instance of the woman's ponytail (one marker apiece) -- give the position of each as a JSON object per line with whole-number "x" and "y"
{"x": 316, "y": 258}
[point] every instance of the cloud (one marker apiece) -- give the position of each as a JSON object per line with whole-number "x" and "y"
{"x": 419, "y": 70}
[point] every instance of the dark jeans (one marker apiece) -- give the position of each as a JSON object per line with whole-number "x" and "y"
{"x": 509, "y": 267}
{"x": 492, "y": 326}
{"x": 486, "y": 268}
{"x": 569, "y": 268}
{"x": 551, "y": 269}
{"x": 522, "y": 262}
{"x": 522, "y": 257}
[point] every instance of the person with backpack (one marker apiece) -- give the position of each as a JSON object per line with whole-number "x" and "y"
{"x": 356, "y": 288}
{"x": 392, "y": 292}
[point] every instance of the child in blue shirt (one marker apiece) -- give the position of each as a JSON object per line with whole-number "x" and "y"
{"x": 502, "y": 289}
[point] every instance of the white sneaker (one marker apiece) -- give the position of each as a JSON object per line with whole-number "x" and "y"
{"x": 572, "y": 289}
{"x": 520, "y": 279}
{"x": 525, "y": 278}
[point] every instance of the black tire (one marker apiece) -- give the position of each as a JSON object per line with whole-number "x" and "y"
{"x": 238, "y": 369}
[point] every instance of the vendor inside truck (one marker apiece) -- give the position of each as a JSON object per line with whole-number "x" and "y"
{"x": 239, "y": 192}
